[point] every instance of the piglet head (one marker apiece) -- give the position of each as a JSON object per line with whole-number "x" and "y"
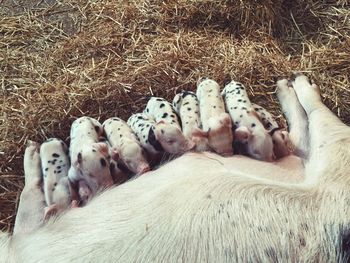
{"x": 171, "y": 138}
{"x": 258, "y": 143}
{"x": 93, "y": 163}
{"x": 132, "y": 156}
{"x": 282, "y": 145}
{"x": 114, "y": 153}
{"x": 200, "y": 138}
{"x": 220, "y": 134}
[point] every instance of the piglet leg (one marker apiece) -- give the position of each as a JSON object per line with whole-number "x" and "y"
{"x": 30, "y": 213}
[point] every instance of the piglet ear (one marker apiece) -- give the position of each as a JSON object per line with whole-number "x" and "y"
{"x": 225, "y": 119}
{"x": 113, "y": 152}
{"x": 101, "y": 147}
{"x": 223, "y": 93}
{"x": 50, "y": 211}
{"x": 285, "y": 136}
{"x": 242, "y": 134}
{"x": 79, "y": 158}
{"x": 199, "y": 133}
{"x": 78, "y": 161}
{"x": 190, "y": 145}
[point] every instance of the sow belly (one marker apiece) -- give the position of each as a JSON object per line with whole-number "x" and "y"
{"x": 192, "y": 209}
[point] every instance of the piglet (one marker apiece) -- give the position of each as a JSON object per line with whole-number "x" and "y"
{"x": 89, "y": 158}
{"x": 143, "y": 126}
{"x": 125, "y": 143}
{"x": 155, "y": 137}
{"x": 248, "y": 128}
{"x": 167, "y": 123}
{"x": 186, "y": 106}
{"x": 215, "y": 121}
{"x": 55, "y": 165}
{"x": 282, "y": 145}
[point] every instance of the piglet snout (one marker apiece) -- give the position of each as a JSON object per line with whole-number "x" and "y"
{"x": 144, "y": 169}
{"x": 189, "y": 145}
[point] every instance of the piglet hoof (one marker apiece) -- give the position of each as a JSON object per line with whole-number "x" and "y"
{"x": 50, "y": 211}
{"x": 74, "y": 204}
{"x": 144, "y": 170}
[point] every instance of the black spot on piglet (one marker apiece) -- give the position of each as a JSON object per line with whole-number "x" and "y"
{"x": 103, "y": 162}
{"x": 227, "y": 81}
{"x": 165, "y": 115}
{"x": 111, "y": 167}
{"x": 79, "y": 158}
{"x": 153, "y": 141}
{"x": 161, "y": 105}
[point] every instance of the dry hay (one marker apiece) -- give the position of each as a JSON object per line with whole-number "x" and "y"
{"x": 61, "y": 60}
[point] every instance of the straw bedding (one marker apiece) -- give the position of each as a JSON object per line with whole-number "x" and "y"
{"x": 63, "y": 59}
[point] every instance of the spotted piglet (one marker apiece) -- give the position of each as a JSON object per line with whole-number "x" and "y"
{"x": 55, "y": 165}
{"x": 125, "y": 143}
{"x": 144, "y": 128}
{"x": 215, "y": 121}
{"x": 282, "y": 145}
{"x": 89, "y": 158}
{"x": 167, "y": 128}
{"x": 186, "y": 106}
{"x": 248, "y": 128}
